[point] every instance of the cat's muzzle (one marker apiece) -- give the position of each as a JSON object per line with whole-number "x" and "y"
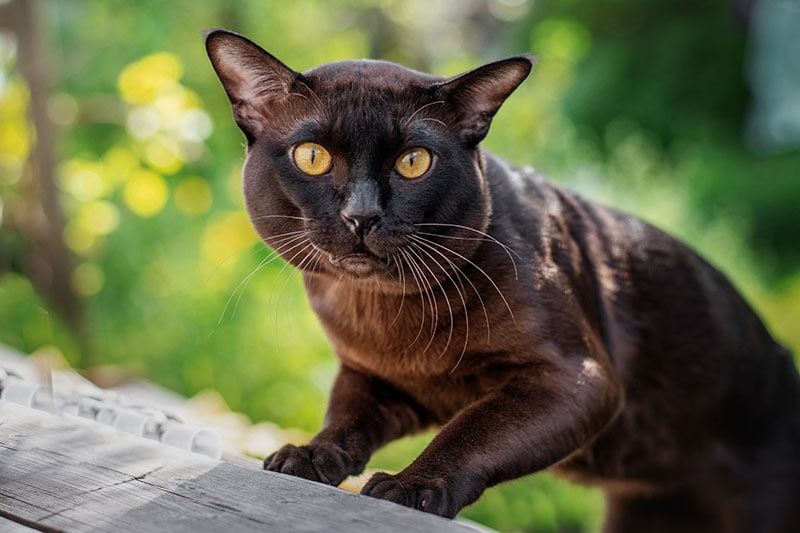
{"x": 360, "y": 264}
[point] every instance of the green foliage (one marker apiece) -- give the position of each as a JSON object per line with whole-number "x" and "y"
{"x": 636, "y": 106}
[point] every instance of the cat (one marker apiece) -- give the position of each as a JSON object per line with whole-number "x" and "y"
{"x": 536, "y": 329}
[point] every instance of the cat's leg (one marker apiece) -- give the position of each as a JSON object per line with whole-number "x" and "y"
{"x": 364, "y": 413}
{"x": 540, "y": 416}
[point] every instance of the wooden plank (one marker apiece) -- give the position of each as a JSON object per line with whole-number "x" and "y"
{"x": 7, "y": 526}
{"x": 70, "y": 474}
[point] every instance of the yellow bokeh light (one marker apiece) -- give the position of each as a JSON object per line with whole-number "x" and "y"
{"x": 15, "y": 96}
{"x": 88, "y": 279}
{"x": 15, "y": 132}
{"x": 120, "y": 163}
{"x": 191, "y": 99}
{"x": 227, "y": 235}
{"x": 78, "y": 239}
{"x": 99, "y": 218}
{"x": 172, "y": 100}
{"x": 15, "y": 139}
{"x": 142, "y": 81}
{"x": 163, "y": 154}
{"x": 145, "y": 193}
{"x": 83, "y": 179}
{"x": 193, "y": 196}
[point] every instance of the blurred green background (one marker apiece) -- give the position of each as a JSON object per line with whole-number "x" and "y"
{"x": 123, "y": 239}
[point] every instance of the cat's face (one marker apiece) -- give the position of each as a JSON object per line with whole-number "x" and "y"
{"x": 363, "y": 169}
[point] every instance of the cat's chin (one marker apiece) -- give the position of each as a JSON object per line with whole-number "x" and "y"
{"x": 359, "y": 265}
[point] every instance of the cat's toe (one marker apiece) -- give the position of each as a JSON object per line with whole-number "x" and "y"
{"x": 325, "y": 463}
{"x": 292, "y": 460}
{"x": 387, "y": 487}
{"x": 432, "y": 495}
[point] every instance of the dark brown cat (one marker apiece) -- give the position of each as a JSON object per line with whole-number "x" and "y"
{"x": 538, "y": 330}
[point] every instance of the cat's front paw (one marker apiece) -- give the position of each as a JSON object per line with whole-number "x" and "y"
{"x": 430, "y": 494}
{"x": 326, "y": 463}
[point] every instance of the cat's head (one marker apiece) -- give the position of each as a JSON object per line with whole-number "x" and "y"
{"x": 364, "y": 169}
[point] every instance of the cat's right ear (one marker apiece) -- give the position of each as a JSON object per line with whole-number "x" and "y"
{"x": 474, "y": 97}
{"x": 252, "y": 78}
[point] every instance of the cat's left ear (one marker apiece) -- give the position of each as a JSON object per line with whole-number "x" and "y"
{"x": 475, "y": 96}
{"x": 252, "y": 78}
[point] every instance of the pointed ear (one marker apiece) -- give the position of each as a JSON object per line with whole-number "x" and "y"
{"x": 475, "y": 96}
{"x": 250, "y": 75}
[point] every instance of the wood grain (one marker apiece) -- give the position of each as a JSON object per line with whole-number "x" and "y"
{"x": 7, "y": 526}
{"x": 69, "y": 474}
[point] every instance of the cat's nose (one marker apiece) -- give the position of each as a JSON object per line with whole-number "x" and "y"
{"x": 360, "y": 223}
{"x": 362, "y": 208}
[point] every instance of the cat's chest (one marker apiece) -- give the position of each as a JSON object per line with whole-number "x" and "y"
{"x": 427, "y": 353}
{"x": 400, "y": 337}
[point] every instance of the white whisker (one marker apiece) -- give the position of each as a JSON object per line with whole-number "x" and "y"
{"x": 430, "y": 245}
{"x": 433, "y": 283}
{"x": 414, "y": 114}
{"x": 243, "y": 284}
{"x": 256, "y": 249}
{"x": 433, "y": 120}
{"x": 291, "y": 240}
{"x": 411, "y": 266}
{"x": 418, "y": 263}
{"x": 483, "y": 235}
{"x": 447, "y": 301}
{"x": 290, "y": 217}
{"x": 293, "y": 271}
{"x": 399, "y": 264}
{"x": 482, "y": 271}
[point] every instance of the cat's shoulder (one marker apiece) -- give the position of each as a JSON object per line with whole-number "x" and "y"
{"x": 519, "y": 187}
{"x": 523, "y": 193}
{"x": 504, "y": 174}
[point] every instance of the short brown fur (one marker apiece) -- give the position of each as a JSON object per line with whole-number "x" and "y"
{"x": 536, "y": 329}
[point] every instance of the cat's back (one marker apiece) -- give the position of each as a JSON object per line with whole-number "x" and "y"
{"x": 652, "y": 293}
{"x": 705, "y": 383}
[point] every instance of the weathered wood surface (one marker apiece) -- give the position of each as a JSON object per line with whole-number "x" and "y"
{"x": 7, "y": 526}
{"x": 60, "y": 473}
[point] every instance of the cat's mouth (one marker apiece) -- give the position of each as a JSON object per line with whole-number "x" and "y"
{"x": 359, "y": 264}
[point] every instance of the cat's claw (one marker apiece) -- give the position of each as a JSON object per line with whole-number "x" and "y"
{"x": 326, "y": 463}
{"x": 432, "y": 495}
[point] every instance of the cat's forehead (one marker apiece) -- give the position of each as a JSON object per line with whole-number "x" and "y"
{"x": 369, "y": 73}
{"x": 367, "y": 96}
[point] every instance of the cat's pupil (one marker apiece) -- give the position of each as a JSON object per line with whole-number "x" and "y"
{"x": 313, "y": 155}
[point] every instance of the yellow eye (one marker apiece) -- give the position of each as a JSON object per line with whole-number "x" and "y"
{"x": 312, "y": 158}
{"x": 413, "y": 163}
